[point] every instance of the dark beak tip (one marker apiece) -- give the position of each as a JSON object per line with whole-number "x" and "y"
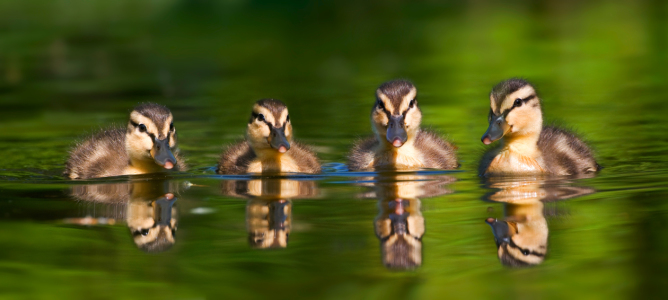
{"x": 490, "y": 221}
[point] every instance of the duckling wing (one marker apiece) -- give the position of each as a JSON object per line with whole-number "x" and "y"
{"x": 235, "y": 159}
{"x": 305, "y": 158}
{"x": 437, "y": 153}
{"x": 564, "y": 153}
{"x": 362, "y": 155}
{"x": 101, "y": 155}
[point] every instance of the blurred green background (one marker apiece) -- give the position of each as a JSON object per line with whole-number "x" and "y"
{"x": 70, "y": 67}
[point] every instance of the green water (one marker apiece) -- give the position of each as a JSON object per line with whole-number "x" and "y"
{"x": 68, "y": 68}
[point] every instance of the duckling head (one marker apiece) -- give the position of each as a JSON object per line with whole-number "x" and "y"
{"x": 269, "y": 129}
{"x": 396, "y": 116}
{"x": 151, "y": 135}
{"x": 514, "y": 111}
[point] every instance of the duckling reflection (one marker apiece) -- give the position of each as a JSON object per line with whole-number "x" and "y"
{"x": 153, "y": 223}
{"x": 147, "y": 207}
{"x": 269, "y": 207}
{"x": 521, "y": 237}
{"x": 400, "y": 225}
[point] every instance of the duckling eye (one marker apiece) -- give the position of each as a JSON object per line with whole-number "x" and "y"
{"x": 518, "y": 102}
{"x": 380, "y": 104}
{"x": 260, "y": 117}
{"x": 142, "y": 128}
{"x": 144, "y": 232}
{"x": 287, "y": 119}
{"x": 525, "y": 252}
{"x": 412, "y": 104}
{"x": 171, "y": 126}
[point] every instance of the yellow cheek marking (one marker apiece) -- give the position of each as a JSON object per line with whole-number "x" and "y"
{"x": 165, "y": 129}
{"x": 492, "y": 102}
{"x": 282, "y": 118}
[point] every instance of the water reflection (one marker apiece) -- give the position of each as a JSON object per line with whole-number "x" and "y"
{"x": 147, "y": 207}
{"x": 269, "y": 207}
{"x": 521, "y": 237}
{"x": 400, "y": 225}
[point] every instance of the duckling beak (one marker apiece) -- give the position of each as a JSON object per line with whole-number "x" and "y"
{"x": 396, "y": 133}
{"x": 500, "y": 229}
{"x": 278, "y": 141}
{"x": 162, "y": 154}
{"x": 497, "y": 128}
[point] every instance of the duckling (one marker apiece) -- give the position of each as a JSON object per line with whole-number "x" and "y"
{"x": 528, "y": 147}
{"x": 145, "y": 146}
{"x": 268, "y": 147}
{"x": 399, "y": 143}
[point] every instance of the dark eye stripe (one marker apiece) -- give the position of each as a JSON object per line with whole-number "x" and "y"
{"x": 524, "y": 101}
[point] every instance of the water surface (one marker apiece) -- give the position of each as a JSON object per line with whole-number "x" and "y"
{"x": 70, "y": 68}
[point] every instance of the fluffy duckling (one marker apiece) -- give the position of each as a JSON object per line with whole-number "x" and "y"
{"x": 528, "y": 147}
{"x": 145, "y": 146}
{"x": 399, "y": 143}
{"x": 268, "y": 147}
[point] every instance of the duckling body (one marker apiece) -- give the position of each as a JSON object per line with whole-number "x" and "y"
{"x": 241, "y": 159}
{"x": 527, "y": 147}
{"x": 399, "y": 143}
{"x": 268, "y": 147}
{"x": 143, "y": 147}
{"x": 427, "y": 151}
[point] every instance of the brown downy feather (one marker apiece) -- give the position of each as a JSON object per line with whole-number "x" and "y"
{"x": 362, "y": 155}
{"x": 437, "y": 153}
{"x": 564, "y": 153}
{"x": 102, "y": 155}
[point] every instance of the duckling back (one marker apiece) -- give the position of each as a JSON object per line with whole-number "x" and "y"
{"x": 235, "y": 159}
{"x": 564, "y": 153}
{"x": 101, "y": 155}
